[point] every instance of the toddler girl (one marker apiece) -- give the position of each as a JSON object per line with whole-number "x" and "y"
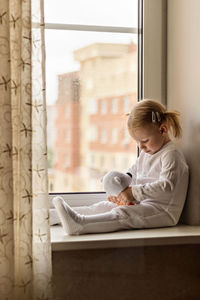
{"x": 159, "y": 180}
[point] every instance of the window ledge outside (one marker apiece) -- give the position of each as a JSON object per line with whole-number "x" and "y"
{"x": 177, "y": 235}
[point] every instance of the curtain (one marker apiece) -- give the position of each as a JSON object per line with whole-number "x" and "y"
{"x": 25, "y": 250}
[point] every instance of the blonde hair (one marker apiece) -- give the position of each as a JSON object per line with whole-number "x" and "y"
{"x": 148, "y": 112}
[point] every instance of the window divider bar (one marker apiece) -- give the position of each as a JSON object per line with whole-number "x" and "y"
{"x": 140, "y": 50}
{"x": 57, "y": 26}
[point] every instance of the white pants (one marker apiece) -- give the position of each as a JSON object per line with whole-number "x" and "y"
{"x": 141, "y": 215}
{"x": 113, "y": 217}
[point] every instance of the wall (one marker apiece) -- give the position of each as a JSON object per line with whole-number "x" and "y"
{"x": 153, "y": 273}
{"x": 183, "y": 89}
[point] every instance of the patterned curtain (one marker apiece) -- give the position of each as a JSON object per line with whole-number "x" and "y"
{"x": 25, "y": 250}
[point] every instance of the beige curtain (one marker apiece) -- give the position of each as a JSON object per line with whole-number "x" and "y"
{"x": 25, "y": 251}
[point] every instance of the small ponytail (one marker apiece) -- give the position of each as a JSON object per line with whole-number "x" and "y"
{"x": 172, "y": 119}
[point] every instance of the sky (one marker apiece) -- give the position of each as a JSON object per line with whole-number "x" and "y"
{"x": 60, "y": 44}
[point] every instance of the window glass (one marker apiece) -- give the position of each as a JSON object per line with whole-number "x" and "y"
{"x": 103, "y": 136}
{"x": 114, "y": 136}
{"x": 88, "y": 79}
{"x": 103, "y": 107}
{"x": 126, "y": 104}
{"x": 125, "y": 138}
{"x": 114, "y": 106}
{"x": 92, "y": 105}
{"x": 121, "y": 13}
{"x": 93, "y": 136}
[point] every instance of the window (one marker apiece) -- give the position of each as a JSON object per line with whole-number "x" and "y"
{"x": 126, "y": 104}
{"x": 114, "y": 109}
{"x": 89, "y": 84}
{"x": 114, "y": 136}
{"x": 103, "y": 107}
{"x": 92, "y": 106}
{"x": 88, "y": 51}
{"x": 69, "y": 26}
{"x": 103, "y": 136}
{"x": 125, "y": 138}
{"x": 93, "y": 133}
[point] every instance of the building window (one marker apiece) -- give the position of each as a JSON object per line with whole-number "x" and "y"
{"x": 103, "y": 136}
{"x": 93, "y": 106}
{"x": 114, "y": 136}
{"x": 125, "y": 138}
{"x": 103, "y": 107}
{"x": 89, "y": 84}
{"x": 126, "y": 104}
{"x": 114, "y": 108}
{"x": 93, "y": 134}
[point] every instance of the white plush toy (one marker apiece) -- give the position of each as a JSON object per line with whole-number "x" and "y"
{"x": 115, "y": 182}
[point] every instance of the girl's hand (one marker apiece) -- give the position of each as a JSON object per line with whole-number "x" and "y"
{"x": 126, "y": 197}
{"x": 113, "y": 199}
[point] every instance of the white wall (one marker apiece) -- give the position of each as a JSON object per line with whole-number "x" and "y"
{"x": 154, "y": 51}
{"x": 183, "y": 88}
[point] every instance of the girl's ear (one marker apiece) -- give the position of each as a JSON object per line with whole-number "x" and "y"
{"x": 163, "y": 129}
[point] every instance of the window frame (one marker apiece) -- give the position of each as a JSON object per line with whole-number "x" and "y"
{"x": 151, "y": 77}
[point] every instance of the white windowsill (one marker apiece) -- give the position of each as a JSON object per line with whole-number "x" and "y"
{"x": 178, "y": 235}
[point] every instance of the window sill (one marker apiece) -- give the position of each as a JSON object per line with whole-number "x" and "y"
{"x": 178, "y": 235}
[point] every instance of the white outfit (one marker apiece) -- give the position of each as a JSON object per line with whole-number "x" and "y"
{"x": 159, "y": 184}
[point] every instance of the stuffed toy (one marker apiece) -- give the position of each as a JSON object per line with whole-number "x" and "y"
{"x": 115, "y": 182}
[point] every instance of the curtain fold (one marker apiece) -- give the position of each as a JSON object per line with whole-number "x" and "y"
{"x": 25, "y": 249}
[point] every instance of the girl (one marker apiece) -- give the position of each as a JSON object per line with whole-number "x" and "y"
{"x": 159, "y": 180}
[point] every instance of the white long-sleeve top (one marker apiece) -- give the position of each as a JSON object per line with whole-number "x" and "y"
{"x": 161, "y": 180}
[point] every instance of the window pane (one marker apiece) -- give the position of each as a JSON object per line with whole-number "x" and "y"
{"x": 120, "y": 13}
{"x": 91, "y": 84}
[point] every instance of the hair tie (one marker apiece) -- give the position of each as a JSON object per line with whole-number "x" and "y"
{"x": 153, "y": 117}
{"x": 158, "y": 116}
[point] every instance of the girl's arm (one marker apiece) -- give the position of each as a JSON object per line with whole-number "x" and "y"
{"x": 133, "y": 173}
{"x": 170, "y": 175}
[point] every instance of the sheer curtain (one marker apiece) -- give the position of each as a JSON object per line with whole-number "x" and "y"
{"x": 25, "y": 250}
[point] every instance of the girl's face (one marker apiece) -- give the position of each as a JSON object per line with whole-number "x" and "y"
{"x": 151, "y": 138}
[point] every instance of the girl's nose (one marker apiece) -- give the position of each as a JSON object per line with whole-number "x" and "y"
{"x": 141, "y": 146}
